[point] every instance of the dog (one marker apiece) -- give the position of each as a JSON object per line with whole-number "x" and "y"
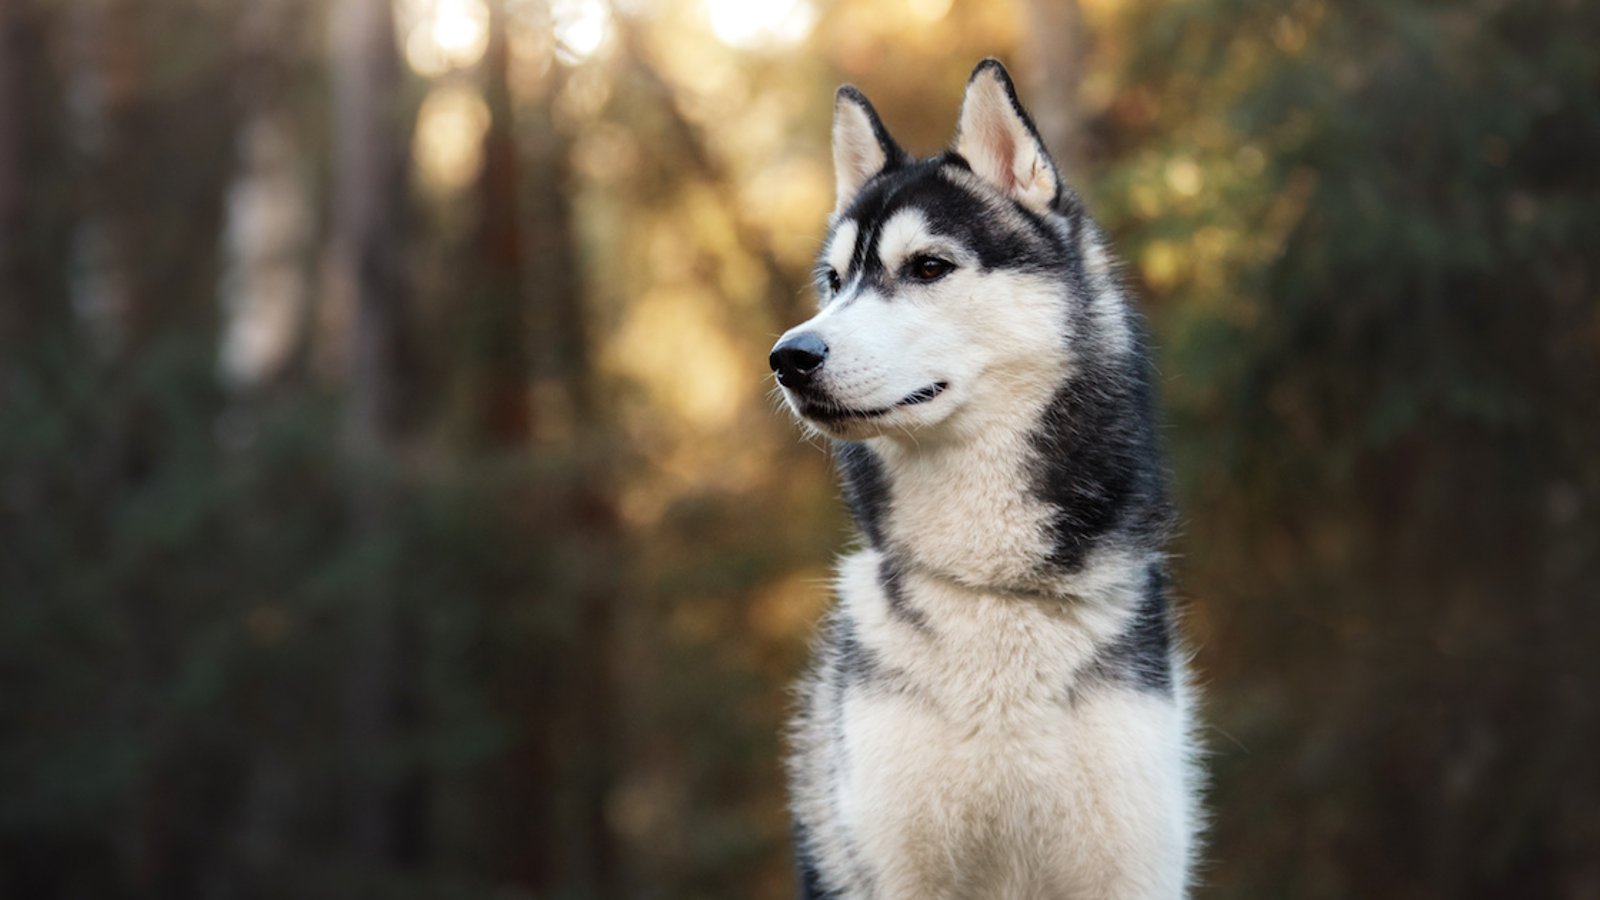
{"x": 998, "y": 706}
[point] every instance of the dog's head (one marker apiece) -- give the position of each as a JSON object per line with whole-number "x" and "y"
{"x": 943, "y": 296}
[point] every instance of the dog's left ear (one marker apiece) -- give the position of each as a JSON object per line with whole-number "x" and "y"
{"x": 998, "y": 140}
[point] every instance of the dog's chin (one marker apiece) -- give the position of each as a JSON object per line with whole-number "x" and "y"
{"x": 918, "y": 408}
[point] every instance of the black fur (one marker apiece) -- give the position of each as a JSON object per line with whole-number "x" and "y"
{"x": 809, "y": 881}
{"x": 865, "y": 488}
{"x": 1142, "y": 656}
{"x": 1099, "y": 460}
{"x": 892, "y": 579}
{"x": 855, "y": 662}
{"x": 965, "y": 217}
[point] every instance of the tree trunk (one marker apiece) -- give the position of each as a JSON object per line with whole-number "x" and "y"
{"x": 1055, "y": 49}
{"x": 17, "y": 66}
{"x": 581, "y": 686}
{"x": 563, "y": 339}
{"x": 370, "y": 156}
{"x": 157, "y": 197}
{"x": 36, "y": 208}
{"x": 499, "y": 319}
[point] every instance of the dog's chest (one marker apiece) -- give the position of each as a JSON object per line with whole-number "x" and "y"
{"x": 994, "y": 666}
{"x": 967, "y": 734}
{"x": 974, "y": 752}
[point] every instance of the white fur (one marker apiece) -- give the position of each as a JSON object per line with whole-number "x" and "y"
{"x": 841, "y": 245}
{"x": 994, "y": 338}
{"x": 905, "y": 234}
{"x": 995, "y": 773}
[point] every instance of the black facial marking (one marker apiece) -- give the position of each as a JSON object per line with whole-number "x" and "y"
{"x": 1001, "y": 233}
{"x": 891, "y": 576}
{"x": 1142, "y": 656}
{"x": 865, "y": 488}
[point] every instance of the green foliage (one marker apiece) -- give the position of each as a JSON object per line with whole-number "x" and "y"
{"x": 180, "y": 583}
{"x": 1385, "y": 429}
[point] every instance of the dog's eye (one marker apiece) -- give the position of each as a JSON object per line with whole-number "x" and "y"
{"x": 929, "y": 268}
{"x": 834, "y": 282}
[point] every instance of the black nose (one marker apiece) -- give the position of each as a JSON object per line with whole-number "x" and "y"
{"x": 797, "y": 358}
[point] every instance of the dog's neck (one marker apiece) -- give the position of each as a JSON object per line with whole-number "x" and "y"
{"x": 964, "y": 510}
{"x": 1043, "y": 503}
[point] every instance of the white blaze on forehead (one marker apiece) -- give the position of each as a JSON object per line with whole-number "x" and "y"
{"x": 841, "y": 246}
{"x": 905, "y": 233}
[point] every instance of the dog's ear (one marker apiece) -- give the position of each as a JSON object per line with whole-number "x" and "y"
{"x": 862, "y": 147}
{"x": 998, "y": 140}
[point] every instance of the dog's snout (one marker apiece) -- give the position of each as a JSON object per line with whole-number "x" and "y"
{"x": 797, "y": 357}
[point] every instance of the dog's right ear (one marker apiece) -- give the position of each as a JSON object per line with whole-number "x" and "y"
{"x": 862, "y": 147}
{"x": 998, "y": 140}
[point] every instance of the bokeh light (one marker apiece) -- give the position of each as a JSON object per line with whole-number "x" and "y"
{"x": 448, "y": 146}
{"x": 581, "y": 28}
{"x": 441, "y": 35}
{"x": 759, "y": 23}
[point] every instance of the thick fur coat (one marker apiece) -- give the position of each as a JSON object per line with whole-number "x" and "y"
{"x": 997, "y": 708}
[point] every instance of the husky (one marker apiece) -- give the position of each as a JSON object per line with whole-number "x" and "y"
{"x": 998, "y": 707}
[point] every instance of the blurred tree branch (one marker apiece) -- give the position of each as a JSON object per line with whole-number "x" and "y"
{"x": 784, "y": 291}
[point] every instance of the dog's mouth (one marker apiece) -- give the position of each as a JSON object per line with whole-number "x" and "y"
{"x": 828, "y": 411}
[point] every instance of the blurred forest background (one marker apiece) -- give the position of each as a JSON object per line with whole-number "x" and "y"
{"x": 391, "y": 504}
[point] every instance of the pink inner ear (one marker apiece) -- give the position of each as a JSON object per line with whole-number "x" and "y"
{"x": 1000, "y": 142}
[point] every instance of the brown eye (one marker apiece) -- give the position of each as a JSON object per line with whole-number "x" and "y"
{"x": 929, "y": 268}
{"x": 834, "y": 282}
